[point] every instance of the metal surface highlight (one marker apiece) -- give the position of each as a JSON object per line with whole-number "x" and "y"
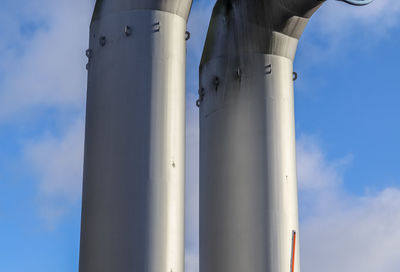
{"x": 133, "y": 185}
{"x": 248, "y": 181}
{"x": 248, "y": 184}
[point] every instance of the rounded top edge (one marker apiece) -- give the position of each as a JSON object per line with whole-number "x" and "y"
{"x": 245, "y": 27}
{"x": 358, "y": 2}
{"x": 178, "y": 7}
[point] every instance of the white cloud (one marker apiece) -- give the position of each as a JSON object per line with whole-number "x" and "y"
{"x": 335, "y": 17}
{"x": 340, "y": 231}
{"x": 58, "y": 163}
{"x": 47, "y": 69}
{"x": 313, "y": 173}
{"x": 361, "y": 236}
{"x": 338, "y": 27}
{"x": 42, "y": 67}
{"x": 319, "y": 181}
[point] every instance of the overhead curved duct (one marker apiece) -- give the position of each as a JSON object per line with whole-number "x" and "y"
{"x": 248, "y": 181}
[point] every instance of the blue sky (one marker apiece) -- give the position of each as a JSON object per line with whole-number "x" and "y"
{"x": 347, "y": 121}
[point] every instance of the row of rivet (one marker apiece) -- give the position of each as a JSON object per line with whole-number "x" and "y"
{"x": 267, "y": 71}
{"x": 216, "y": 83}
{"x": 201, "y": 97}
{"x": 128, "y": 32}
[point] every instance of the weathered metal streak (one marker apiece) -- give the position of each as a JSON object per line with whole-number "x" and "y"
{"x": 133, "y": 189}
{"x": 248, "y": 185}
{"x": 239, "y": 27}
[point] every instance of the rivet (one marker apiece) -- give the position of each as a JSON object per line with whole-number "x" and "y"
{"x": 102, "y": 41}
{"x": 88, "y": 53}
{"x": 128, "y": 31}
{"x": 268, "y": 69}
{"x": 156, "y": 27}
{"x": 216, "y": 83}
{"x": 201, "y": 92}
{"x": 201, "y": 97}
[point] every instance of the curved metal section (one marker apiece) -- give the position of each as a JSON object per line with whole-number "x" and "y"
{"x": 248, "y": 185}
{"x": 358, "y": 2}
{"x": 240, "y": 28}
{"x": 133, "y": 187}
{"x": 179, "y": 7}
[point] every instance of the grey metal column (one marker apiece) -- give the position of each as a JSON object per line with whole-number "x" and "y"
{"x": 133, "y": 189}
{"x": 248, "y": 185}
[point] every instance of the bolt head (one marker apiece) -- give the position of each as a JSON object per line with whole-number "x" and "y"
{"x": 102, "y": 41}
{"x": 128, "y": 31}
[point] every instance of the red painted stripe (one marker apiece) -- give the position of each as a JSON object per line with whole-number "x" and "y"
{"x": 293, "y": 249}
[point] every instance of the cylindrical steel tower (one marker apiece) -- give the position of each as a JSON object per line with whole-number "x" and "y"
{"x": 248, "y": 186}
{"x": 133, "y": 189}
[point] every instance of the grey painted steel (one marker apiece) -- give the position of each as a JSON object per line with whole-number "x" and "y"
{"x": 248, "y": 185}
{"x": 133, "y": 189}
